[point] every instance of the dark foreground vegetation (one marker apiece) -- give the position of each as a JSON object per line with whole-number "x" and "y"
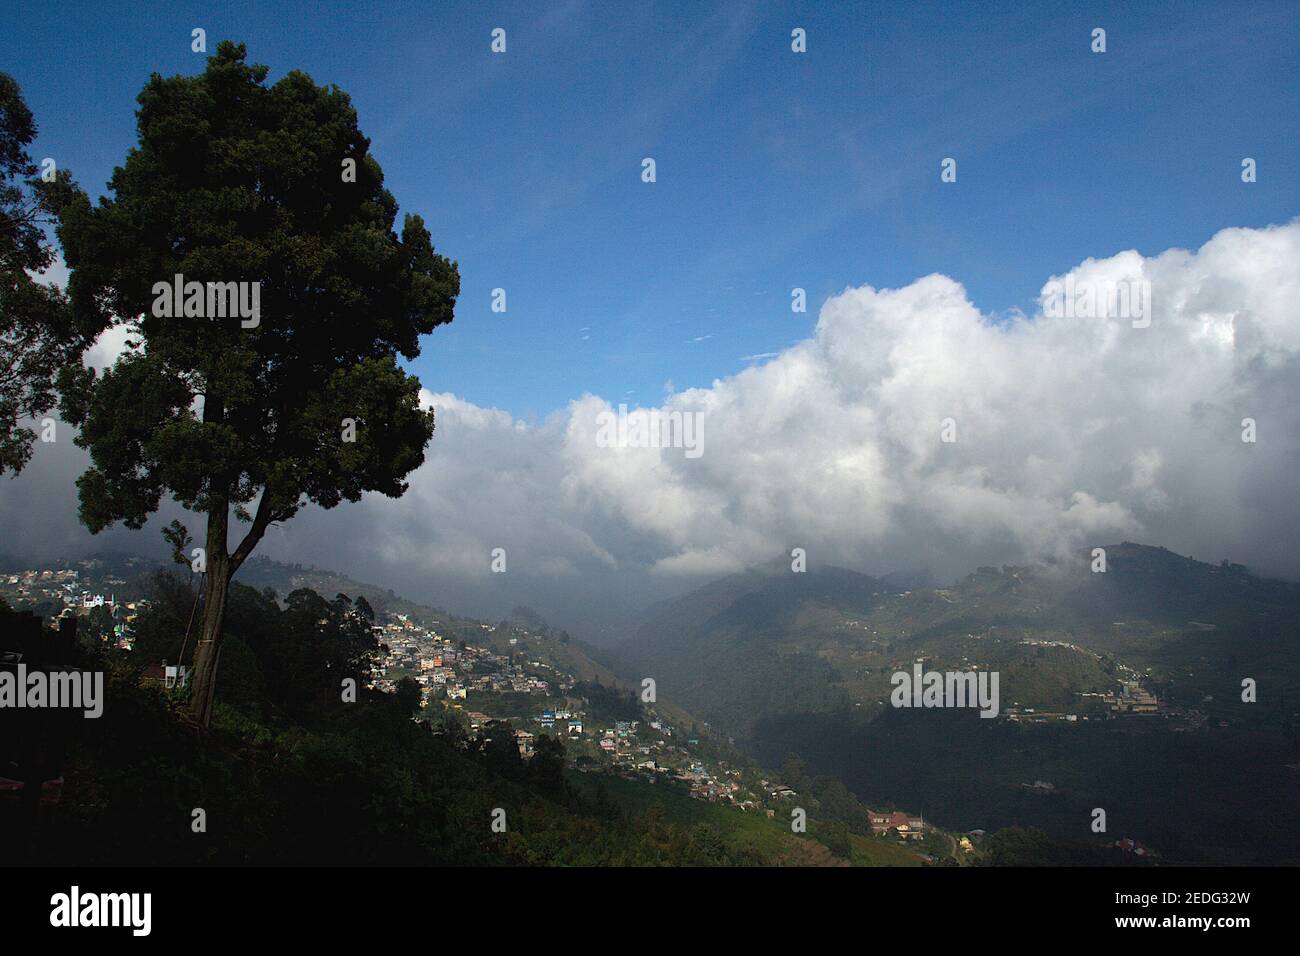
{"x": 289, "y": 773}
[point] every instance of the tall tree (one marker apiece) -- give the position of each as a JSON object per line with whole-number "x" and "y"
{"x": 237, "y": 181}
{"x": 37, "y": 337}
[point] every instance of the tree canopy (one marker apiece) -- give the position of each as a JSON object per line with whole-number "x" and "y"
{"x": 37, "y": 336}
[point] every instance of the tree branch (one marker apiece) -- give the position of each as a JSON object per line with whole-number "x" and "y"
{"x": 261, "y": 521}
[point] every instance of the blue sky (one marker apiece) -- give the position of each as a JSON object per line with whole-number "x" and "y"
{"x": 775, "y": 170}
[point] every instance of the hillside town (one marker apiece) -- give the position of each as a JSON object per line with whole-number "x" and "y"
{"x": 504, "y": 678}
{"x": 90, "y": 589}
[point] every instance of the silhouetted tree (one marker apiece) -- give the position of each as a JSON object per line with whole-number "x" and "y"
{"x": 500, "y": 750}
{"x": 546, "y": 768}
{"x": 234, "y": 181}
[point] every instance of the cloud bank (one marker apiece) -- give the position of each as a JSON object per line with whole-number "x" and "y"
{"x": 1069, "y": 430}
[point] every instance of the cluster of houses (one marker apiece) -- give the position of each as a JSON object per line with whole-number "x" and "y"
{"x": 482, "y": 685}
{"x": 61, "y": 585}
{"x": 66, "y": 587}
{"x": 652, "y": 750}
{"x": 1030, "y": 715}
{"x": 451, "y": 670}
{"x": 908, "y": 826}
{"x": 1133, "y": 698}
{"x": 1136, "y": 848}
{"x": 42, "y": 584}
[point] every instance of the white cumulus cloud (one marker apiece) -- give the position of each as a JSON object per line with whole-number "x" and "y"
{"x": 1069, "y": 431}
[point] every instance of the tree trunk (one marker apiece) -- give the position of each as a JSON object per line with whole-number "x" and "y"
{"x": 208, "y": 650}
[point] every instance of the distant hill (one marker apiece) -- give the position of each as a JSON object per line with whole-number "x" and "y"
{"x": 773, "y": 641}
{"x": 801, "y": 663}
{"x": 261, "y": 572}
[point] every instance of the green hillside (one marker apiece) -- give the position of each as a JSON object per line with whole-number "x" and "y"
{"x": 770, "y": 642}
{"x": 802, "y": 663}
